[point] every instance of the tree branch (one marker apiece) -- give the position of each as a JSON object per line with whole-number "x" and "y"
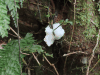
{"x": 93, "y": 53}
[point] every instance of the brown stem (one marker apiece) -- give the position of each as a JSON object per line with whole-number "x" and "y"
{"x": 75, "y": 53}
{"x": 15, "y": 32}
{"x": 51, "y": 64}
{"x": 93, "y": 52}
{"x": 36, "y": 59}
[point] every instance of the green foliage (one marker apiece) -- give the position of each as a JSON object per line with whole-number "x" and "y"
{"x": 50, "y": 55}
{"x": 98, "y": 5}
{"x": 4, "y": 18}
{"x": 87, "y": 17}
{"x": 13, "y": 8}
{"x": 65, "y": 22}
{"x": 9, "y": 56}
{"x": 9, "y": 61}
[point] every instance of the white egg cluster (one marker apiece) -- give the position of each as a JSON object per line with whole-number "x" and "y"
{"x": 50, "y": 37}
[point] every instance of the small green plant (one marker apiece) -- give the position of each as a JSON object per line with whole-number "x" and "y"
{"x": 9, "y": 56}
{"x": 65, "y": 22}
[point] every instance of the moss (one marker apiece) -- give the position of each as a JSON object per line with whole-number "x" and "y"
{"x": 86, "y": 17}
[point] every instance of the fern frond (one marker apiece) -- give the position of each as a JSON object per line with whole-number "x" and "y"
{"x": 4, "y": 20}
{"x": 13, "y": 8}
{"x": 9, "y": 56}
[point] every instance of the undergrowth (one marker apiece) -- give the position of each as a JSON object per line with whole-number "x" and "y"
{"x": 86, "y": 16}
{"x": 9, "y": 55}
{"x": 5, "y": 18}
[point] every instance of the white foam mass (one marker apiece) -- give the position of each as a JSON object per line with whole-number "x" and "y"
{"x": 48, "y": 30}
{"x": 59, "y": 32}
{"x": 49, "y": 38}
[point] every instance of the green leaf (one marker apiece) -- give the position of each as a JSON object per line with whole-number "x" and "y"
{"x": 36, "y": 48}
{"x": 24, "y": 74}
{"x": 66, "y": 20}
{"x": 48, "y": 15}
{"x": 28, "y": 35}
{"x": 50, "y": 55}
{"x": 70, "y": 22}
{"x": 61, "y": 21}
{"x": 45, "y": 6}
{"x": 98, "y": 9}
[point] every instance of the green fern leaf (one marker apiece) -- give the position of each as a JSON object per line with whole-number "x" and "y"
{"x": 4, "y": 20}
{"x": 9, "y": 56}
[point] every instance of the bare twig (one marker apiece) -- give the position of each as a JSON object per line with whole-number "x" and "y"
{"x": 36, "y": 59}
{"x": 89, "y": 64}
{"x": 18, "y": 40}
{"x": 51, "y": 64}
{"x": 25, "y": 53}
{"x": 97, "y": 42}
{"x": 24, "y": 61}
{"x": 93, "y": 53}
{"x": 64, "y": 69}
{"x": 73, "y": 25}
{"x": 71, "y": 36}
{"x": 12, "y": 35}
{"x": 29, "y": 73}
{"x": 75, "y": 53}
{"x": 69, "y": 55}
{"x": 48, "y": 11}
{"x": 41, "y": 64}
{"x": 95, "y": 65}
{"x": 49, "y": 70}
{"x": 53, "y": 5}
{"x": 39, "y": 10}
{"x": 47, "y": 61}
{"x": 58, "y": 26}
{"x": 15, "y": 32}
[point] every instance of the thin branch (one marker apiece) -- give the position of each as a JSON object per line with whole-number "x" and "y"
{"x": 73, "y": 25}
{"x": 89, "y": 64}
{"x": 93, "y": 53}
{"x": 58, "y": 26}
{"x": 15, "y": 32}
{"x": 29, "y": 72}
{"x": 25, "y": 53}
{"x": 75, "y": 53}
{"x": 39, "y": 10}
{"x": 18, "y": 40}
{"x": 71, "y": 36}
{"x": 24, "y": 62}
{"x": 95, "y": 65}
{"x": 96, "y": 43}
{"x": 53, "y": 5}
{"x": 36, "y": 59}
{"x": 51, "y": 64}
{"x": 12, "y": 35}
{"x": 64, "y": 69}
{"x": 39, "y": 62}
{"x": 49, "y": 70}
{"x": 48, "y": 11}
